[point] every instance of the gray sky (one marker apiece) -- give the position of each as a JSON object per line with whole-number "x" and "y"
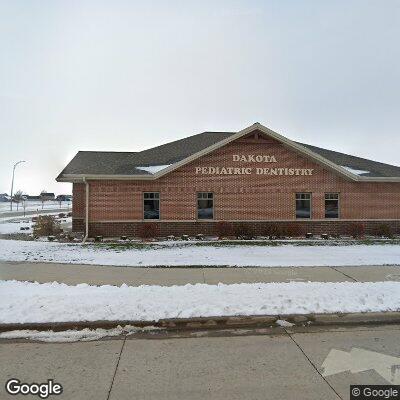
{"x": 126, "y": 75}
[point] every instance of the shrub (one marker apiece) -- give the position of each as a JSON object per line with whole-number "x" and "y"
{"x": 148, "y": 230}
{"x": 356, "y": 230}
{"x": 293, "y": 231}
{"x": 277, "y": 230}
{"x": 243, "y": 230}
{"x": 384, "y": 230}
{"x": 224, "y": 229}
{"x": 280, "y": 231}
{"x": 270, "y": 230}
{"x": 265, "y": 230}
{"x": 46, "y": 225}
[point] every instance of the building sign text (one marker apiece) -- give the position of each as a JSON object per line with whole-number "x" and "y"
{"x": 251, "y": 158}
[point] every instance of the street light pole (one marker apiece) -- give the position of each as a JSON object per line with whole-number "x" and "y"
{"x": 12, "y": 182}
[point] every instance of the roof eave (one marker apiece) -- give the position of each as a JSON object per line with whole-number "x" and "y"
{"x": 379, "y": 178}
{"x": 80, "y": 177}
{"x": 72, "y": 178}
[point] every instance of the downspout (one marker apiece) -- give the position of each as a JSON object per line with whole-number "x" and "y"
{"x": 86, "y": 210}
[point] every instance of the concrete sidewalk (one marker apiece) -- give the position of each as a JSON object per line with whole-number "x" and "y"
{"x": 73, "y": 274}
{"x": 235, "y": 364}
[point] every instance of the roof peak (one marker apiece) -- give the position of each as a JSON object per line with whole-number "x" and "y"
{"x": 184, "y": 150}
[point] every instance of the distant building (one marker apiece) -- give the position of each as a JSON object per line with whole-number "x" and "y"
{"x": 45, "y": 196}
{"x": 4, "y": 197}
{"x": 30, "y": 198}
{"x": 64, "y": 197}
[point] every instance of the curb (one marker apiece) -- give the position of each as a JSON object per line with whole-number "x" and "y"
{"x": 181, "y": 324}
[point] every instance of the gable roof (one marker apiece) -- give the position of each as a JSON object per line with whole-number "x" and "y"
{"x": 158, "y": 161}
{"x": 127, "y": 163}
{"x": 374, "y": 168}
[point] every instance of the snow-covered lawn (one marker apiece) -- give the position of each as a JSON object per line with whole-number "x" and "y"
{"x": 12, "y": 226}
{"x": 25, "y": 302}
{"x": 34, "y": 205}
{"x": 174, "y": 254}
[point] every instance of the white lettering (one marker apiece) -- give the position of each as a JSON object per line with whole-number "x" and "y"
{"x": 253, "y": 158}
{"x": 258, "y": 171}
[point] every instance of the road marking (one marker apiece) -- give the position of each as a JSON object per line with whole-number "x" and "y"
{"x": 359, "y": 360}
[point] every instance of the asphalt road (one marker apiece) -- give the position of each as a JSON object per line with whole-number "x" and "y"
{"x": 232, "y": 364}
{"x": 73, "y": 274}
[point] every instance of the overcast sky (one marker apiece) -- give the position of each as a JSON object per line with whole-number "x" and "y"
{"x": 126, "y": 75}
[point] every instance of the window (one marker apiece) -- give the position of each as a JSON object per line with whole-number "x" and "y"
{"x": 205, "y": 205}
{"x": 151, "y": 205}
{"x": 303, "y": 205}
{"x": 331, "y": 205}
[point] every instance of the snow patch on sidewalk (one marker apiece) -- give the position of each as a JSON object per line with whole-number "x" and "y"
{"x": 284, "y": 323}
{"x": 26, "y": 302}
{"x": 83, "y": 335}
{"x": 173, "y": 255}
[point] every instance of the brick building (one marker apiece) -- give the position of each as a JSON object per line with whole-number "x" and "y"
{"x": 251, "y": 179}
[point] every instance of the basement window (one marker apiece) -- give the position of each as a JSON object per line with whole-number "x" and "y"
{"x": 151, "y": 205}
{"x": 205, "y": 205}
{"x": 331, "y": 205}
{"x": 303, "y": 205}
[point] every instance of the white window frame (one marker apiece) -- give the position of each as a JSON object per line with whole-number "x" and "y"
{"x": 205, "y": 198}
{"x": 338, "y": 200}
{"x": 295, "y": 204}
{"x": 159, "y": 206}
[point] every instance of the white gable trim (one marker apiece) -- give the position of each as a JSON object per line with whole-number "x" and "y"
{"x": 317, "y": 158}
{"x": 268, "y": 132}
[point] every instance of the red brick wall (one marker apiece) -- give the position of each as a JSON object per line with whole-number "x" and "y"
{"x": 293, "y": 228}
{"x": 240, "y": 197}
{"x": 78, "y": 205}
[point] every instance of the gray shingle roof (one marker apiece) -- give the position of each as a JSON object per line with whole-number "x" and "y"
{"x": 127, "y": 163}
{"x": 376, "y": 169}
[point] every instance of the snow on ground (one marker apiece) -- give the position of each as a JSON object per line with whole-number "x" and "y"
{"x": 173, "y": 255}
{"x": 34, "y": 205}
{"x": 83, "y": 335}
{"x": 26, "y": 302}
{"x": 14, "y": 227}
{"x": 19, "y": 218}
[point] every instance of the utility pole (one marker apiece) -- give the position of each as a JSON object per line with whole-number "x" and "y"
{"x": 12, "y": 182}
